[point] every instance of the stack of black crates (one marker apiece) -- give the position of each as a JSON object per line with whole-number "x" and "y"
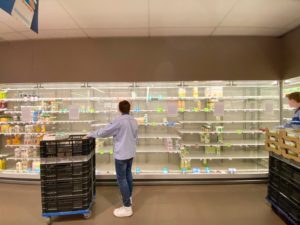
{"x": 284, "y": 187}
{"x": 67, "y": 175}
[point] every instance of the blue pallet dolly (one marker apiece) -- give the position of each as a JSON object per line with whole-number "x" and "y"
{"x": 87, "y": 213}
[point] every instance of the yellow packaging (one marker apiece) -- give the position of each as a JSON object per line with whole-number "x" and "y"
{"x": 181, "y": 92}
{"x": 5, "y": 129}
{"x": 4, "y": 119}
{"x": 2, "y": 164}
{"x": 195, "y": 92}
{"x": 43, "y": 129}
{"x": 8, "y": 141}
{"x": 199, "y": 105}
{"x": 16, "y": 140}
{"x": 3, "y": 94}
{"x": 38, "y": 128}
{"x": 210, "y": 105}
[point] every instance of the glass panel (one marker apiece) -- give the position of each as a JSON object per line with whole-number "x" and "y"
{"x": 179, "y": 131}
{"x": 289, "y": 86}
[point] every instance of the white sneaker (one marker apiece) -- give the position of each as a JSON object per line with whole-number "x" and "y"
{"x": 123, "y": 212}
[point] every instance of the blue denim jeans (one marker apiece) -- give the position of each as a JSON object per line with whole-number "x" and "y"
{"x": 124, "y": 179}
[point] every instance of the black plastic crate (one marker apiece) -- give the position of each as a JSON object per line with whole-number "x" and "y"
{"x": 290, "y": 208}
{"x": 291, "y": 191}
{"x": 273, "y": 194}
{"x": 289, "y": 172}
{"x": 274, "y": 179}
{"x": 73, "y": 146}
{"x": 67, "y": 187}
{"x": 76, "y": 183}
{"x": 66, "y": 170}
{"x": 73, "y": 181}
{"x": 274, "y": 164}
{"x": 65, "y": 204}
{"x": 59, "y": 192}
{"x": 62, "y": 192}
{"x": 94, "y": 173}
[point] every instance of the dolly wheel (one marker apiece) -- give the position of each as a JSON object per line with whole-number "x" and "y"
{"x": 87, "y": 215}
{"x": 48, "y": 220}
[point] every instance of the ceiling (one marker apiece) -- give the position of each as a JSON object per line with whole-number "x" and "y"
{"x": 144, "y": 18}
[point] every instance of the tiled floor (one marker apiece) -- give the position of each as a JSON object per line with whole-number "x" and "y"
{"x": 153, "y": 205}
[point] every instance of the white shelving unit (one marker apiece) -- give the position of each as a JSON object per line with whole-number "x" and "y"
{"x": 169, "y": 140}
{"x": 228, "y": 122}
{"x": 140, "y": 149}
{"x": 23, "y": 145}
{"x": 45, "y": 122}
{"x": 231, "y": 98}
{"x": 22, "y": 158}
{"x": 229, "y": 155}
{"x": 194, "y": 131}
{"x": 228, "y": 144}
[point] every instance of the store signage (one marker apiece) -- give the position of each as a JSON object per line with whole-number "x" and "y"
{"x": 219, "y": 109}
{"x": 74, "y": 112}
{"x": 26, "y": 114}
{"x": 172, "y": 109}
{"x": 25, "y": 11}
{"x": 269, "y": 107}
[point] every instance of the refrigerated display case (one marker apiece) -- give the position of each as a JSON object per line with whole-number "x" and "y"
{"x": 187, "y": 130}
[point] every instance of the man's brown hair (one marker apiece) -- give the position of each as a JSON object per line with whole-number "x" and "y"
{"x": 294, "y": 96}
{"x": 124, "y": 107}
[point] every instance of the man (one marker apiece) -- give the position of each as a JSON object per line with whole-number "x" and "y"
{"x": 124, "y": 131}
{"x": 294, "y": 102}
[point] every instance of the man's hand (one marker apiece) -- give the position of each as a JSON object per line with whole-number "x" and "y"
{"x": 86, "y": 137}
{"x": 263, "y": 129}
